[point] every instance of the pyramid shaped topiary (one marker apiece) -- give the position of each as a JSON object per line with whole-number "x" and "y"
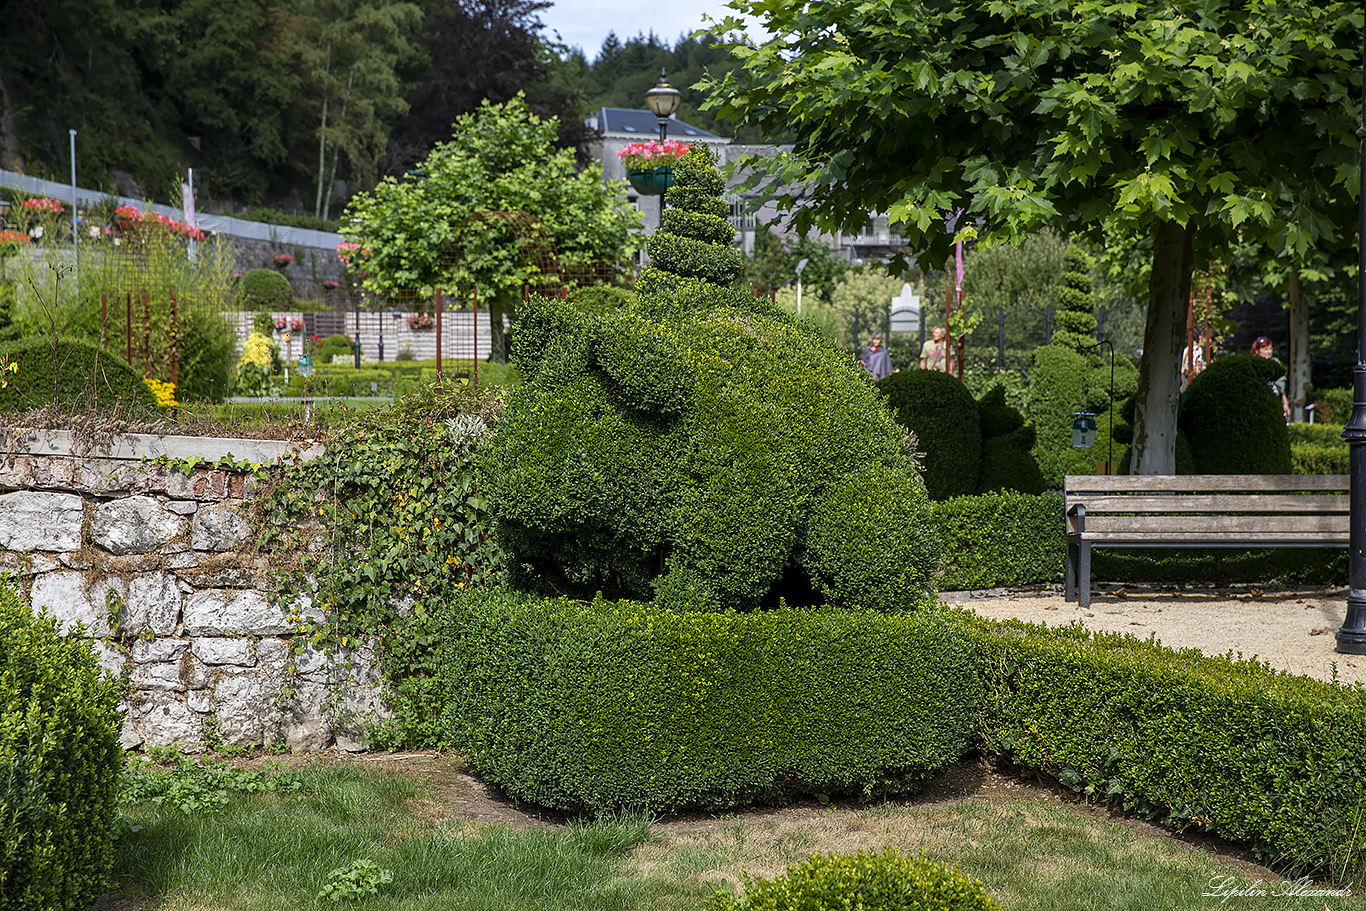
{"x": 693, "y": 243}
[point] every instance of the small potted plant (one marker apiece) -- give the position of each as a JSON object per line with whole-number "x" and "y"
{"x": 282, "y": 260}
{"x": 649, "y": 165}
{"x": 419, "y": 321}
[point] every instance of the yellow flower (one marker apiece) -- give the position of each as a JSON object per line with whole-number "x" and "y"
{"x": 164, "y": 393}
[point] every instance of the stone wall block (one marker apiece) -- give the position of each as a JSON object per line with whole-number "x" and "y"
{"x": 16, "y": 471}
{"x": 38, "y": 520}
{"x": 215, "y": 651}
{"x": 313, "y": 664}
{"x": 146, "y": 651}
{"x": 218, "y": 528}
{"x": 164, "y": 721}
{"x": 183, "y": 507}
{"x": 153, "y": 603}
{"x": 112, "y": 660}
{"x": 243, "y": 703}
{"x": 233, "y": 613}
{"x": 135, "y": 525}
{"x": 50, "y": 472}
{"x": 304, "y": 720}
{"x": 199, "y": 701}
{"x": 70, "y": 600}
{"x": 361, "y": 700}
{"x": 158, "y": 676}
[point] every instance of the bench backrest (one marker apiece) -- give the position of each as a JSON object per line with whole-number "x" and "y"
{"x": 1212, "y": 507}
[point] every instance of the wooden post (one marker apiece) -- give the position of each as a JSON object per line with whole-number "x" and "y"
{"x": 175, "y": 347}
{"x": 128, "y": 327}
{"x": 474, "y": 373}
{"x": 146, "y": 333}
{"x": 436, "y": 300}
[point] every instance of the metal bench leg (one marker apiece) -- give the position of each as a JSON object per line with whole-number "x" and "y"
{"x": 1069, "y": 573}
{"x": 1084, "y": 576}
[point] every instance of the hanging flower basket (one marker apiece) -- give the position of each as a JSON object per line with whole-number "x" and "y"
{"x": 651, "y": 181}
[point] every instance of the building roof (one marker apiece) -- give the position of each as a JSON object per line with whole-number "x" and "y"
{"x": 643, "y": 123}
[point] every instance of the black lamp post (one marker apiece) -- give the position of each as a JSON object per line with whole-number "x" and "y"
{"x": 1351, "y": 637}
{"x": 663, "y": 100}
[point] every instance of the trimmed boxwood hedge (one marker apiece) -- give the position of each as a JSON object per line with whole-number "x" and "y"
{"x": 887, "y": 882}
{"x": 60, "y": 756}
{"x": 83, "y": 372}
{"x": 589, "y": 707}
{"x": 1271, "y": 760}
{"x": 1000, "y": 539}
{"x": 942, "y": 414}
{"x": 1233, "y": 421}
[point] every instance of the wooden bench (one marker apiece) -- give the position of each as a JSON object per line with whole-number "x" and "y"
{"x": 1247, "y": 511}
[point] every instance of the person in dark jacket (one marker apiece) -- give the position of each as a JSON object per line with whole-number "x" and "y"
{"x": 876, "y": 359}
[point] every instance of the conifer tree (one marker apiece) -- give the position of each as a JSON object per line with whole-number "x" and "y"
{"x": 1076, "y": 312}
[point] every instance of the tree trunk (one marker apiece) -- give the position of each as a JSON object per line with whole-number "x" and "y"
{"x": 500, "y": 306}
{"x": 1297, "y": 379}
{"x": 1159, "y": 376}
{"x": 322, "y": 131}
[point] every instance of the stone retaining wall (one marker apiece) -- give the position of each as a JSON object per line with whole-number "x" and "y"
{"x": 156, "y": 565}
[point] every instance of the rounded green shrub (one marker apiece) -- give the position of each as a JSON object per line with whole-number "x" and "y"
{"x": 996, "y": 416}
{"x": 888, "y": 882}
{"x": 83, "y": 373}
{"x": 59, "y": 747}
{"x": 1232, "y": 419}
{"x": 942, "y": 414}
{"x": 265, "y": 289}
{"x": 207, "y": 356}
{"x": 1008, "y": 464}
{"x": 332, "y": 346}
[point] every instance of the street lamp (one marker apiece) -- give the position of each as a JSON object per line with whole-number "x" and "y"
{"x": 1351, "y": 636}
{"x": 663, "y": 101}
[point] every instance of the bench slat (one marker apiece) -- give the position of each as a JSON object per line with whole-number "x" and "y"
{"x": 1253, "y": 503}
{"x": 1075, "y": 485}
{"x": 1218, "y": 539}
{"x": 1194, "y": 526}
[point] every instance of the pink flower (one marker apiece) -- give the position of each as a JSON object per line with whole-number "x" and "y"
{"x": 346, "y": 252}
{"x": 296, "y": 325}
{"x": 13, "y": 237}
{"x": 640, "y": 156}
{"x": 43, "y": 204}
{"x": 283, "y": 259}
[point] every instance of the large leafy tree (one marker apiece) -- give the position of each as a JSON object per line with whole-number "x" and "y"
{"x": 1193, "y": 122}
{"x": 423, "y": 232}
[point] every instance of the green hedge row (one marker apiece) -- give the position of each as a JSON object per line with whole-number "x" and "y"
{"x": 593, "y": 706}
{"x": 1271, "y": 760}
{"x": 1000, "y": 539}
{"x": 71, "y": 371}
{"x": 60, "y": 756}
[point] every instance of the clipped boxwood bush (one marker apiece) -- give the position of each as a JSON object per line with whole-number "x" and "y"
{"x": 1271, "y": 760}
{"x": 1057, "y": 389}
{"x": 334, "y": 346}
{"x": 1318, "y": 449}
{"x": 1000, "y": 539}
{"x": 84, "y": 373}
{"x": 264, "y": 289}
{"x": 888, "y": 882}
{"x": 588, "y": 707}
{"x": 942, "y": 414}
{"x": 59, "y": 749}
{"x": 1232, "y": 419}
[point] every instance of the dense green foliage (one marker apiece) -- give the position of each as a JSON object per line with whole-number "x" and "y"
{"x": 1057, "y": 390}
{"x": 1226, "y": 746}
{"x": 332, "y": 347}
{"x": 942, "y": 414}
{"x": 1007, "y": 458}
{"x": 1318, "y": 449}
{"x": 59, "y": 747}
{"x": 888, "y": 881}
{"x": 265, "y": 289}
{"x": 1000, "y": 539}
{"x": 596, "y": 706}
{"x": 70, "y": 371}
{"x": 1234, "y": 421}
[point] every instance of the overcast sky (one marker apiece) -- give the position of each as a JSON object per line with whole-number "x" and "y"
{"x": 585, "y": 23}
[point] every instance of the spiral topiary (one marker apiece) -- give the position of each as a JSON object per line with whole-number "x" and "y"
{"x": 1076, "y": 314}
{"x": 886, "y": 881}
{"x": 694, "y": 236}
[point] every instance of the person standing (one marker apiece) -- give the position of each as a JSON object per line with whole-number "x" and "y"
{"x": 1262, "y": 348}
{"x": 934, "y": 353}
{"x": 876, "y": 359}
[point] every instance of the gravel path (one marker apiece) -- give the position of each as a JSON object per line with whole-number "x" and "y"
{"x": 1291, "y": 629}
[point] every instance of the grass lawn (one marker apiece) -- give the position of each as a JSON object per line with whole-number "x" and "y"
{"x": 441, "y": 841}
